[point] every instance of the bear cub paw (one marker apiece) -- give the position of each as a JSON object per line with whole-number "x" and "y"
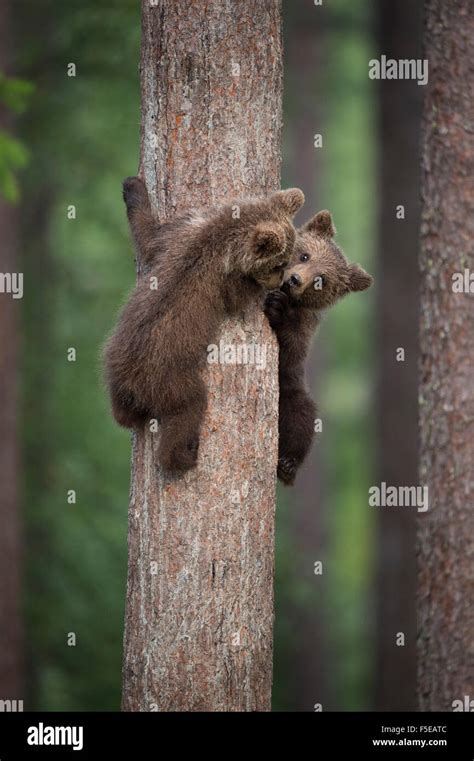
{"x": 134, "y": 193}
{"x": 180, "y": 457}
{"x": 287, "y": 469}
{"x": 276, "y": 308}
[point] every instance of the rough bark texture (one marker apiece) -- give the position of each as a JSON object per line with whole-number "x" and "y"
{"x": 400, "y": 105}
{"x": 198, "y": 633}
{"x": 11, "y": 656}
{"x": 446, "y": 531}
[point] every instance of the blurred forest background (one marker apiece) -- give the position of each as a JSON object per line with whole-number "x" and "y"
{"x": 70, "y": 140}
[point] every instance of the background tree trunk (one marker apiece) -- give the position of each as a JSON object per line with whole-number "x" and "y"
{"x": 400, "y": 105}
{"x": 11, "y": 641}
{"x": 198, "y": 633}
{"x": 445, "y": 552}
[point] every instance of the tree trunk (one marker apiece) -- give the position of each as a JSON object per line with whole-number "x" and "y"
{"x": 11, "y": 651}
{"x": 400, "y": 105}
{"x": 445, "y": 551}
{"x": 198, "y": 632}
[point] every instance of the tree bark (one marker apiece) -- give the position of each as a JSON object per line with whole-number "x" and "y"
{"x": 198, "y": 633}
{"x": 400, "y": 106}
{"x": 446, "y": 550}
{"x": 11, "y": 648}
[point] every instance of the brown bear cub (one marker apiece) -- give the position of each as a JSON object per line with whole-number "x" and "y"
{"x": 317, "y": 276}
{"x": 198, "y": 267}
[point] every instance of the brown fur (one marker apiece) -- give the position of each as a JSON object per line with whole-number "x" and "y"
{"x": 317, "y": 276}
{"x": 206, "y": 264}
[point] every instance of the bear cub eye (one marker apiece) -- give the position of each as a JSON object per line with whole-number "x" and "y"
{"x": 304, "y": 257}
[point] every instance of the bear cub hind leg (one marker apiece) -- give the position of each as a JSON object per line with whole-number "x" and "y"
{"x": 179, "y": 433}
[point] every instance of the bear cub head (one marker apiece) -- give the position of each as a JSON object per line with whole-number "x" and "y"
{"x": 318, "y": 273}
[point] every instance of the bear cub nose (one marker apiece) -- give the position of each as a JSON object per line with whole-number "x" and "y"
{"x": 295, "y": 280}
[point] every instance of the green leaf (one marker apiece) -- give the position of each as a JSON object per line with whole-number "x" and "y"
{"x": 13, "y": 156}
{"x": 9, "y": 186}
{"x": 14, "y": 93}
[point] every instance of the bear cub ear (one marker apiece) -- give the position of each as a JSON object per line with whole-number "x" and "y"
{"x": 359, "y": 279}
{"x": 290, "y": 200}
{"x": 321, "y": 224}
{"x": 268, "y": 239}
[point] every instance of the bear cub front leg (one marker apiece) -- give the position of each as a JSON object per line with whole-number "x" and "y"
{"x": 297, "y": 411}
{"x": 296, "y": 431}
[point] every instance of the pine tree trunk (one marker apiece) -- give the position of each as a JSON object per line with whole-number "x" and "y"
{"x": 198, "y": 632}
{"x": 400, "y": 106}
{"x": 446, "y": 531}
{"x": 11, "y": 651}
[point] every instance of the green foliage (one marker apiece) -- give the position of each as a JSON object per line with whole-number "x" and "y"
{"x": 14, "y": 94}
{"x": 13, "y": 156}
